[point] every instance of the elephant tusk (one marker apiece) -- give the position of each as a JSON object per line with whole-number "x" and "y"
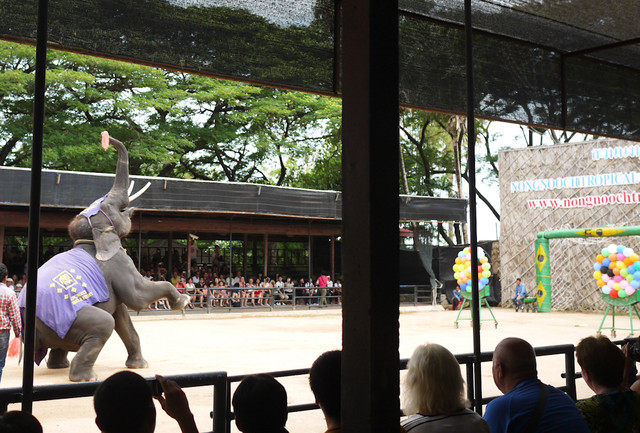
{"x": 133, "y": 182}
{"x": 139, "y": 193}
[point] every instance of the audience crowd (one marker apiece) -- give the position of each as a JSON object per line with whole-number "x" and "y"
{"x": 209, "y": 285}
{"x": 212, "y": 285}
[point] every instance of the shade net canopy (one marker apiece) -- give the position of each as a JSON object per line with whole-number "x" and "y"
{"x": 564, "y": 64}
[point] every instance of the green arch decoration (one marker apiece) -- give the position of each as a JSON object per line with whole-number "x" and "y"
{"x": 543, "y": 268}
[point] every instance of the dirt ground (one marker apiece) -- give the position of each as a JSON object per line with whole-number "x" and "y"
{"x": 253, "y": 341}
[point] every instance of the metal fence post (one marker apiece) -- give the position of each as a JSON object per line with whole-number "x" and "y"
{"x": 221, "y": 423}
{"x": 470, "y": 391}
{"x": 570, "y": 372}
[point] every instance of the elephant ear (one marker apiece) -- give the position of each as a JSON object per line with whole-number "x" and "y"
{"x": 107, "y": 243}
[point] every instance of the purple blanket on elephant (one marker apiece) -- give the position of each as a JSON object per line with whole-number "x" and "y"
{"x": 66, "y": 283}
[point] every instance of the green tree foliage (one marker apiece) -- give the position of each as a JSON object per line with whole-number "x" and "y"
{"x": 174, "y": 124}
{"x": 428, "y": 153}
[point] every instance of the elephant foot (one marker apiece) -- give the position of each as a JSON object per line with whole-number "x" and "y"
{"x": 57, "y": 359}
{"x": 179, "y": 303}
{"x": 82, "y": 375}
{"x": 136, "y": 362}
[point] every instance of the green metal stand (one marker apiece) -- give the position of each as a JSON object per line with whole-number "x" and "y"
{"x": 467, "y": 297}
{"x": 629, "y": 302}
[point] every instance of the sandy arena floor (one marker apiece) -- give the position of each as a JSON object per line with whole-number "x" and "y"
{"x": 253, "y": 341}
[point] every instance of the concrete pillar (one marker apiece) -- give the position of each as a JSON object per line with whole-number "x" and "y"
{"x": 370, "y": 212}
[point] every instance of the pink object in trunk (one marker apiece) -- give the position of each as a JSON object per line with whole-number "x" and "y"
{"x": 105, "y": 140}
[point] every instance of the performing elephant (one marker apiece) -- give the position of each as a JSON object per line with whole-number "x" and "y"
{"x": 84, "y": 293}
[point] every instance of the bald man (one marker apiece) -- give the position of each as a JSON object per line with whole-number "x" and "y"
{"x": 527, "y": 405}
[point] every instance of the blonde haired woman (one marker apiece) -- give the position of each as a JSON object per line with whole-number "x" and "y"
{"x": 433, "y": 394}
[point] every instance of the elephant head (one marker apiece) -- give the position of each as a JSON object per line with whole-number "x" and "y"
{"x": 108, "y": 219}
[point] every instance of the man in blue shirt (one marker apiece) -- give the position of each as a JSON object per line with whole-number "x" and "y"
{"x": 456, "y": 299}
{"x": 524, "y": 407}
{"x": 521, "y": 293}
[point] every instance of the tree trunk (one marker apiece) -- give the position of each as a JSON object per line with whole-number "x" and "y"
{"x": 405, "y": 185}
{"x": 456, "y": 131}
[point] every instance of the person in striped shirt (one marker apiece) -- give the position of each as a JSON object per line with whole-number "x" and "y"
{"x": 9, "y": 315}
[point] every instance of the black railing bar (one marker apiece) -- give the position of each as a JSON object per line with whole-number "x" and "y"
{"x": 87, "y": 389}
{"x": 290, "y": 409}
{"x": 281, "y": 373}
{"x": 468, "y": 358}
{"x": 302, "y": 407}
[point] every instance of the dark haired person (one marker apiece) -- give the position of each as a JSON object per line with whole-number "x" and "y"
{"x": 322, "y": 282}
{"x": 614, "y": 408}
{"x": 9, "y": 315}
{"x": 325, "y": 382}
{"x": 16, "y": 421}
{"x": 124, "y": 404}
{"x": 260, "y": 405}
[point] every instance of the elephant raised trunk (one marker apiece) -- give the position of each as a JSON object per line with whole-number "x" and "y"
{"x": 107, "y": 219}
{"x": 120, "y": 189}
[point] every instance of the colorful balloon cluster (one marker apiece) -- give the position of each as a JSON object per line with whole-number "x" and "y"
{"x": 617, "y": 271}
{"x": 462, "y": 269}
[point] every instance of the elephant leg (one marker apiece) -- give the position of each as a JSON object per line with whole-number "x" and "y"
{"x": 179, "y": 302}
{"x": 91, "y": 330}
{"x": 135, "y": 291}
{"x": 57, "y": 358}
{"x": 129, "y": 336}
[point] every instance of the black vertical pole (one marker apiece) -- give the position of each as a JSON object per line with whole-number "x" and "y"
{"x": 471, "y": 143}
{"x": 34, "y": 206}
{"x": 231, "y": 249}
{"x": 370, "y": 215}
{"x": 140, "y": 241}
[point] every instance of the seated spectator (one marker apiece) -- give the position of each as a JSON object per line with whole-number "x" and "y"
{"x": 124, "y": 404}
{"x": 236, "y": 300}
{"x": 614, "y": 408}
{"x": 527, "y": 404}
{"x": 175, "y": 279}
{"x": 214, "y": 295}
{"x": 258, "y": 293}
{"x": 520, "y": 294}
{"x": 268, "y": 286}
{"x": 288, "y": 288}
{"x": 190, "y": 289}
{"x": 434, "y": 396}
{"x": 16, "y": 421}
{"x": 456, "y": 299}
{"x": 325, "y": 382}
{"x": 338, "y": 290}
{"x": 200, "y": 292}
{"x": 222, "y": 294}
{"x": 260, "y": 405}
{"x": 180, "y": 285}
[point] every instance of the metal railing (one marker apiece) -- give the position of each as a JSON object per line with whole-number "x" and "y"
{"x": 410, "y": 294}
{"x": 221, "y": 407}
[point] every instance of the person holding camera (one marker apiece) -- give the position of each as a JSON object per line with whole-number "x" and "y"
{"x": 124, "y": 404}
{"x": 614, "y": 408}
